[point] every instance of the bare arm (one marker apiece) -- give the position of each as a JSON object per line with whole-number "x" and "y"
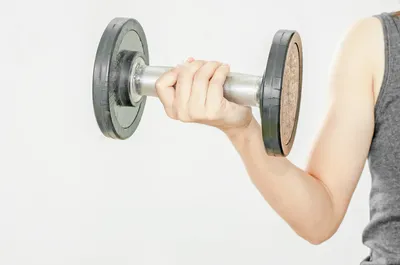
{"x": 314, "y": 201}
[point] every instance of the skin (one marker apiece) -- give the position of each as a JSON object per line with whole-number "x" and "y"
{"x": 313, "y": 200}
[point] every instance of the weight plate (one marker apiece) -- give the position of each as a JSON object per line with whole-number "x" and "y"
{"x": 115, "y": 119}
{"x": 280, "y": 95}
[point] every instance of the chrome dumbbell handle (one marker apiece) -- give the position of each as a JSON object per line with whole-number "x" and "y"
{"x": 238, "y": 88}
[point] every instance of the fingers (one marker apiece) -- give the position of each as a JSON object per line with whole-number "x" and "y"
{"x": 215, "y": 93}
{"x": 198, "y": 95}
{"x": 165, "y": 88}
{"x": 183, "y": 88}
{"x": 166, "y": 91}
{"x": 193, "y": 92}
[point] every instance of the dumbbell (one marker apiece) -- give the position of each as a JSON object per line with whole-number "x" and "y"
{"x": 123, "y": 78}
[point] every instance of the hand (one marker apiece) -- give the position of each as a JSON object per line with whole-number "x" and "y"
{"x": 193, "y": 92}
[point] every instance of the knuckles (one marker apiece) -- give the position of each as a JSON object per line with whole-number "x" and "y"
{"x": 212, "y": 115}
{"x": 184, "y": 117}
{"x": 171, "y": 114}
{"x": 200, "y": 75}
{"x": 197, "y": 114}
{"x": 193, "y": 111}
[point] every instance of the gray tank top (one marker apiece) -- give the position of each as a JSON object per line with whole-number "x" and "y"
{"x": 382, "y": 234}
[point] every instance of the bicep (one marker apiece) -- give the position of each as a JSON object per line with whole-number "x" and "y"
{"x": 341, "y": 149}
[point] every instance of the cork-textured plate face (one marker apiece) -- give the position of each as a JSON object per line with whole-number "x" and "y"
{"x": 290, "y": 94}
{"x": 121, "y": 36}
{"x": 281, "y": 93}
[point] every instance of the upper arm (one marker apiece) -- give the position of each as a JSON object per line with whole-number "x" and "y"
{"x": 341, "y": 149}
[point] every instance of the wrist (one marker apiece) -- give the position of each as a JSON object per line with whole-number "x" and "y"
{"x": 243, "y": 134}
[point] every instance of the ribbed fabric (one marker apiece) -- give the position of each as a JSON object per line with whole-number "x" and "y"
{"x": 382, "y": 234}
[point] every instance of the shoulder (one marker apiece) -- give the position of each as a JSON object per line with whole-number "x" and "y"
{"x": 360, "y": 56}
{"x": 365, "y": 27}
{"x": 366, "y": 38}
{"x": 368, "y": 35}
{"x": 363, "y": 37}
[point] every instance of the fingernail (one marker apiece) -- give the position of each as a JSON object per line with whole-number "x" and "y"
{"x": 189, "y": 60}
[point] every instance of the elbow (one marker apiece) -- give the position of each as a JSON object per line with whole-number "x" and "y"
{"x": 319, "y": 230}
{"x": 318, "y": 236}
{"x": 316, "y": 240}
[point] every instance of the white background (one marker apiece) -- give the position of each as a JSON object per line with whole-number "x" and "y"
{"x": 174, "y": 193}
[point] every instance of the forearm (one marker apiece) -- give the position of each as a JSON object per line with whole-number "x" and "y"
{"x": 299, "y": 198}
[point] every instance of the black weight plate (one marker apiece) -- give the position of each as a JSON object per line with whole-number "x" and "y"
{"x": 121, "y": 36}
{"x": 280, "y": 95}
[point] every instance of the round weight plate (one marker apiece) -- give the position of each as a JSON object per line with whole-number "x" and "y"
{"x": 121, "y": 36}
{"x": 281, "y": 93}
